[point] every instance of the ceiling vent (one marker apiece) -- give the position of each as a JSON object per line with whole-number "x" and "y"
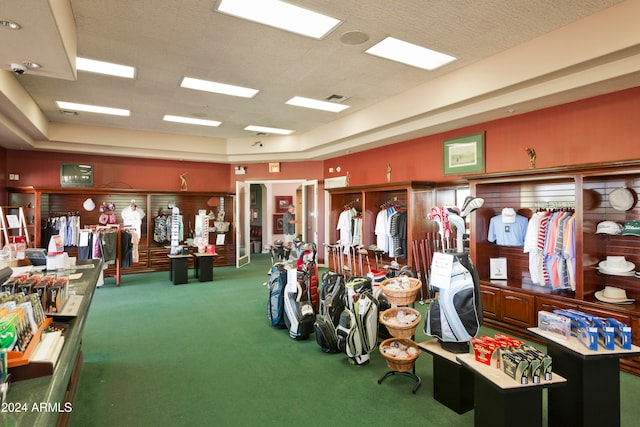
{"x": 68, "y": 113}
{"x": 336, "y": 98}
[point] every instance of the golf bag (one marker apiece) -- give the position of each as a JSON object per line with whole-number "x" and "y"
{"x": 307, "y": 261}
{"x": 456, "y": 315}
{"x": 332, "y": 299}
{"x": 299, "y": 314}
{"x": 358, "y": 327}
{"x": 275, "y": 303}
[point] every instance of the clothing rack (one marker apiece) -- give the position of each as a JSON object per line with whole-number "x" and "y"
{"x": 350, "y": 204}
{"x": 118, "y": 228}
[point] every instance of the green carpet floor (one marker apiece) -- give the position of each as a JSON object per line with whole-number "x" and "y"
{"x": 203, "y": 354}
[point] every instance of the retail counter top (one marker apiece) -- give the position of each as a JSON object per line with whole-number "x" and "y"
{"x": 41, "y": 401}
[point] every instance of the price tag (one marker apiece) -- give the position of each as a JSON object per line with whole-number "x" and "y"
{"x": 441, "y": 266}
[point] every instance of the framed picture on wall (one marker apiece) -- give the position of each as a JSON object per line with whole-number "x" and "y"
{"x": 283, "y": 202}
{"x": 253, "y": 198}
{"x": 254, "y": 214}
{"x": 464, "y": 155}
{"x": 278, "y": 223}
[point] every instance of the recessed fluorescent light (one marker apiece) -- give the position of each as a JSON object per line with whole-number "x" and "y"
{"x": 225, "y": 89}
{"x": 92, "y": 108}
{"x": 269, "y": 130}
{"x": 191, "y": 120}
{"x": 281, "y": 15}
{"x": 299, "y": 101}
{"x": 409, "y": 53}
{"x": 93, "y": 66}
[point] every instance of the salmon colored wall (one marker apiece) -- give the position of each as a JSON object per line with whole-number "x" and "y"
{"x": 600, "y": 129}
{"x": 3, "y": 174}
{"x": 292, "y": 170}
{"x": 42, "y": 170}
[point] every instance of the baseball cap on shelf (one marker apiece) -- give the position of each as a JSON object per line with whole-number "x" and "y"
{"x": 508, "y": 215}
{"x": 631, "y": 228}
{"x": 608, "y": 227}
{"x": 622, "y": 199}
{"x": 89, "y": 204}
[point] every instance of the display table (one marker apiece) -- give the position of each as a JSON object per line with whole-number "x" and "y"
{"x": 178, "y": 269}
{"x": 452, "y": 382}
{"x": 25, "y": 397}
{"x": 203, "y": 266}
{"x": 500, "y": 401}
{"x": 592, "y": 396}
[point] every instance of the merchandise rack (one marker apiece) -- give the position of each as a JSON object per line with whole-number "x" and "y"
{"x": 411, "y": 374}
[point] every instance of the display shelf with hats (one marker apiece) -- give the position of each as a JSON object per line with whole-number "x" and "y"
{"x": 131, "y": 205}
{"x": 600, "y": 204}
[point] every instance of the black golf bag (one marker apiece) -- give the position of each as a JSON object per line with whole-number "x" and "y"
{"x": 275, "y": 304}
{"x": 299, "y": 314}
{"x": 332, "y": 299}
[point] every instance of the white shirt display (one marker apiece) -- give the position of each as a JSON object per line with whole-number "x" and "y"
{"x": 132, "y": 216}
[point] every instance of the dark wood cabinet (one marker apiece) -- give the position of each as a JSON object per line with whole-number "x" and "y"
{"x": 152, "y": 251}
{"x": 490, "y": 297}
{"x": 513, "y": 305}
{"x": 414, "y": 197}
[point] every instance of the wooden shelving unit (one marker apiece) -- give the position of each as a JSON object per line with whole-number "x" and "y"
{"x": 152, "y": 254}
{"x": 512, "y": 305}
{"x": 13, "y": 223}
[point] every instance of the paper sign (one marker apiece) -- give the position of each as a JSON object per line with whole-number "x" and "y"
{"x": 441, "y": 266}
{"x": 220, "y": 239}
{"x": 12, "y": 221}
{"x": 498, "y": 268}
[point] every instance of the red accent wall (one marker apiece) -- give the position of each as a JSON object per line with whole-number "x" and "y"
{"x": 601, "y": 129}
{"x": 288, "y": 170}
{"x": 4, "y": 174}
{"x": 42, "y": 170}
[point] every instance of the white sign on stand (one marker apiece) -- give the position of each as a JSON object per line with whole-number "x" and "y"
{"x": 441, "y": 267}
{"x": 175, "y": 227}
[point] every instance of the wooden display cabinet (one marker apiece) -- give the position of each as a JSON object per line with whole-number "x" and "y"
{"x": 512, "y": 305}
{"x": 152, "y": 254}
{"x": 416, "y": 197}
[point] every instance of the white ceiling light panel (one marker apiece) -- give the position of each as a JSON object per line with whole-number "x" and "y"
{"x": 409, "y": 53}
{"x": 316, "y": 104}
{"x": 281, "y": 15}
{"x": 267, "y": 129}
{"x": 101, "y": 67}
{"x": 92, "y": 108}
{"x": 190, "y": 120}
{"x": 215, "y": 87}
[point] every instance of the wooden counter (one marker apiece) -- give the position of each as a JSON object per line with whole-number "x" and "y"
{"x": 48, "y": 400}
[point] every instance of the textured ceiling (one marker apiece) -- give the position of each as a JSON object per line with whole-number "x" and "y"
{"x": 168, "y": 39}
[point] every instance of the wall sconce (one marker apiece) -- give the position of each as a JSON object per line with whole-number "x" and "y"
{"x": 274, "y": 167}
{"x": 241, "y": 170}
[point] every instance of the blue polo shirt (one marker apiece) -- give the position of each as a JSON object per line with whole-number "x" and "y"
{"x": 508, "y": 233}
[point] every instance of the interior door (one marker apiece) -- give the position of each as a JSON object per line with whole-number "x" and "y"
{"x": 310, "y": 208}
{"x": 243, "y": 254}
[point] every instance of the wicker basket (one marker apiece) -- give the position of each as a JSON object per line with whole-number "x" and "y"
{"x": 401, "y": 296}
{"x": 396, "y": 330}
{"x": 399, "y": 364}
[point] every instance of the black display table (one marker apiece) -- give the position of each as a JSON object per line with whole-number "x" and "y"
{"x": 178, "y": 269}
{"x": 203, "y": 266}
{"x": 592, "y": 396}
{"x": 500, "y": 401}
{"x": 452, "y": 382}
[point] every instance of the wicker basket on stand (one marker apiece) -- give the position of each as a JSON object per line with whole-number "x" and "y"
{"x": 399, "y": 363}
{"x": 401, "y": 290}
{"x": 398, "y": 330}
